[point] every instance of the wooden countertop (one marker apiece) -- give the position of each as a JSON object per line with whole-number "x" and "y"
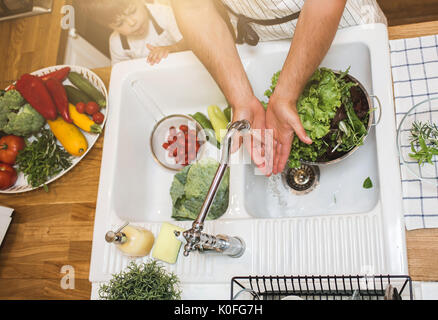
{"x": 50, "y": 230}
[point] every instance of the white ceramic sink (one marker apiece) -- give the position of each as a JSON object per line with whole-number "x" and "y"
{"x": 339, "y": 228}
{"x": 340, "y": 189}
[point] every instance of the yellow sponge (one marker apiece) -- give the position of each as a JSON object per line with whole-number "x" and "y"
{"x": 167, "y": 246}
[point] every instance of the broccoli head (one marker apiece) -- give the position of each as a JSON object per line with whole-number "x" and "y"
{"x": 25, "y": 122}
{"x": 16, "y": 117}
{"x": 12, "y": 99}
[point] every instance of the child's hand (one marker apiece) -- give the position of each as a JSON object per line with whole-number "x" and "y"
{"x": 156, "y": 54}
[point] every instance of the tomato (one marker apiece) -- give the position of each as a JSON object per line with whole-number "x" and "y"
{"x": 8, "y": 176}
{"x": 182, "y": 144}
{"x": 80, "y": 107}
{"x": 92, "y": 108}
{"x": 9, "y": 148}
{"x": 98, "y": 118}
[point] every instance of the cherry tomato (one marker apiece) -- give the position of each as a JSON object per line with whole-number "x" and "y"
{"x": 98, "y": 118}
{"x": 9, "y": 148}
{"x": 8, "y": 176}
{"x": 172, "y": 131}
{"x": 80, "y": 107}
{"x": 92, "y": 108}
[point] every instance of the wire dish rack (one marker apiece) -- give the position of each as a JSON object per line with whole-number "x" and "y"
{"x": 359, "y": 287}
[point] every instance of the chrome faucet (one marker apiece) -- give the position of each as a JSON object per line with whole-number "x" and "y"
{"x": 194, "y": 238}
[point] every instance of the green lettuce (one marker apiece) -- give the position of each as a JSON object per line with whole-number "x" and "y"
{"x": 189, "y": 189}
{"x": 324, "y": 93}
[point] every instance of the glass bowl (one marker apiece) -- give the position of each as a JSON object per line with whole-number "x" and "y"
{"x": 425, "y": 112}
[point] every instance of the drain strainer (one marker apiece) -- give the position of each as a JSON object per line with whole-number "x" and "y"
{"x": 301, "y": 180}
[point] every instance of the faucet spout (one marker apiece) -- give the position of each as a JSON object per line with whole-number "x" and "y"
{"x": 195, "y": 239}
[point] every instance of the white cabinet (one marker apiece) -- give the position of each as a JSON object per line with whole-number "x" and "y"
{"x": 81, "y": 53}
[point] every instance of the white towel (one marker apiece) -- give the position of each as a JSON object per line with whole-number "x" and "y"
{"x": 415, "y": 75}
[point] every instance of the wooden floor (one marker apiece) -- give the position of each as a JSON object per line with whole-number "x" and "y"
{"x": 54, "y": 229}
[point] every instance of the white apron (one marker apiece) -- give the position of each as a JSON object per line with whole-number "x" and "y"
{"x": 281, "y": 17}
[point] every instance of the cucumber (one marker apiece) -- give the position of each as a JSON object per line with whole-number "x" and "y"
{"x": 202, "y": 120}
{"x": 227, "y": 112}
{"x": 208, "y": 128}
{"x": 87, "y": 87}
{"x": 75, "y": 95}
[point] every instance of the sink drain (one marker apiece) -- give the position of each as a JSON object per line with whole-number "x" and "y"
{"x": 301, "y": 180}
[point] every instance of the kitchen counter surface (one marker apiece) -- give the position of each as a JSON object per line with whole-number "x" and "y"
{"x": 50, "y": 230}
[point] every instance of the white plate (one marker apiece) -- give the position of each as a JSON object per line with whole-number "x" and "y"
{"x": 21, "y": 185}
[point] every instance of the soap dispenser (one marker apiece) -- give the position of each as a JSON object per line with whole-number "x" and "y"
{"x": 132, "y": 241}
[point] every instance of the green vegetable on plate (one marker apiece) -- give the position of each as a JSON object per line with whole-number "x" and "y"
{"x": 146, "y": 281}
{"x": 18, "y": 117}
{"x": 42, "y": 159}
{"x": 189, "y": 189}
{"x": 75, "y": 95}
{"x": 88, "y": 88}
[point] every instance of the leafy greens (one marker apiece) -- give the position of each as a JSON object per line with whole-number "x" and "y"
{"x": 42, "y": 159}
{"x": 189, "y": 189}
{"x": 424, "y": 142}
{"x": 318, "y": 104}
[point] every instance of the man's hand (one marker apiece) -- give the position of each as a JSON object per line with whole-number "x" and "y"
{"x": 259, "y": 146}
{"x": 316, "y": 28}
{"x": 282, "y": 117}
{"x": 205, "y": 31}
{"x": 156, "y": 54}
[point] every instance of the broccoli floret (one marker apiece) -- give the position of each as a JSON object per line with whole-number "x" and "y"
{"x": 12, "y": 99}
{"x": 9, "y": 101}
{"x": 16, "y": 117}
{"x": 25, "y": 122}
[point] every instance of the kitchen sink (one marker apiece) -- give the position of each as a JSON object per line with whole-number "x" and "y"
{"x": 338, "y": 228}
{"x": 340, "y": 189}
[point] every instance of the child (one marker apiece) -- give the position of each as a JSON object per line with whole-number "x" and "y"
{"x": 141, "y": 30}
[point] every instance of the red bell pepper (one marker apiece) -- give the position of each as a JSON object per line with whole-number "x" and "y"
{"x": 57, "y": 91}
{"x": 60, "y": 74}
{"x": 32, "y": 89}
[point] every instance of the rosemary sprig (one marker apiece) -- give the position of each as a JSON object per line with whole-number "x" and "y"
{"x": 424, "y": 142}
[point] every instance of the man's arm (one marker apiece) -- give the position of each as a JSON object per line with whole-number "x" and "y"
{"x": 316, "y": 28}
{"x": 209, "y": 37}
